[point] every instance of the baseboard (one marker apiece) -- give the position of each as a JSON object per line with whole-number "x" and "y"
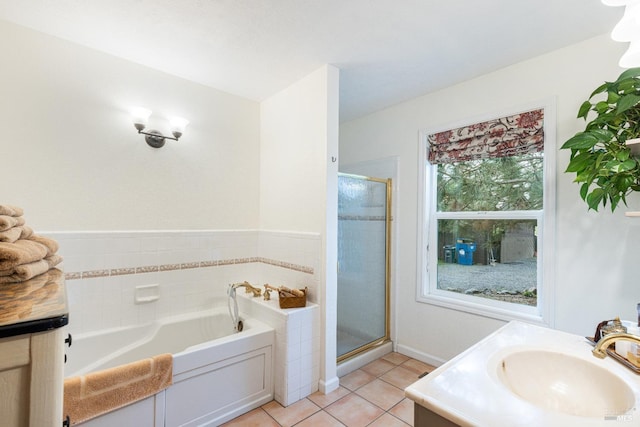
{"x": 360, "y": 360}
{"x": 419, "y": 355}
{"x": 326, "y": 387}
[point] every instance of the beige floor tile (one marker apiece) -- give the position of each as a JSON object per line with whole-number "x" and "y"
{"x": 381, "y": 394}
{"x": 361, "y": 400}
{"x": 417, "y": 366}
{"x": 320, "y": 419}
{"x": 354, "y": 411}
{"x": 404, "y": 411}
{"x": 356, "y": 379}
{"x": 387, "y": 420}
{"x": 255, "y": 418}
{"x": 400, "y": 377}
{"x": 378, "y": 367}
{"x": 323, "y": 400}
{"x": 395, "y": 358}
{"x": 292, "y": 414}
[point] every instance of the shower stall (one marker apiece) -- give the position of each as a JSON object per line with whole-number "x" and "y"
{"x": 364, "y": 215}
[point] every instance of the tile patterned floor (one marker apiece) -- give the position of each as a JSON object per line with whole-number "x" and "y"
{"x": 370, "y": 396}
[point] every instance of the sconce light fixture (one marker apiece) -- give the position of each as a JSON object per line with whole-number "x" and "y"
{"x": 155, "y": 138}
{"x": 628, "y": 30}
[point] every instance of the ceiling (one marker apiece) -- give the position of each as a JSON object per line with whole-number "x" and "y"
{"x": 387, "y": 51}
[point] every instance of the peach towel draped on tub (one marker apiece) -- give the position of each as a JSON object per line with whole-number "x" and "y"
{"x": 97, "y": 393}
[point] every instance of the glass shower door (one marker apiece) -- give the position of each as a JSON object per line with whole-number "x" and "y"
{"x": 363, "y": 263}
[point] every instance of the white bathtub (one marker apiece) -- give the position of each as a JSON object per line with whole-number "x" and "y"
{"x": 217, "y": 374}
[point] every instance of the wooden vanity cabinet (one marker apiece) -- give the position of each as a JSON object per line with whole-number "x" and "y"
{"x": 422, "y": 417}
{"x": 31, "y": 379}
{"x": 32, "y": 345}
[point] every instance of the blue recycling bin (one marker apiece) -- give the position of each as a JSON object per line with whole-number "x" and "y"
{"x": 464, "y": 251}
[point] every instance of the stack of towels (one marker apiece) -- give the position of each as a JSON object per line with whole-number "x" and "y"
{"x": 23, "y": 254}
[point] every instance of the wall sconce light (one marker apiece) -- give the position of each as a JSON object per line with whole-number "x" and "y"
{"x": 155, "y": 138}
{"x": 628, "y": 30}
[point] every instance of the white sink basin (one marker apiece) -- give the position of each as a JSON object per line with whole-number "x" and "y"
{"x": 525, "y": 375}
{"x": 563, "y": 383}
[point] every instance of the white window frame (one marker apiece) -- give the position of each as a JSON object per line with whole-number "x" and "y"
{"x": 427, "y": 288}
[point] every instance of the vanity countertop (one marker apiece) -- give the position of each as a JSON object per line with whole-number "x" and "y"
{"x": 35, "y": 305}
{"x": 466, "y": 390}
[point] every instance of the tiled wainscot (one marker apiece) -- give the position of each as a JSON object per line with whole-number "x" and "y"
{"x": 125, "y": 278}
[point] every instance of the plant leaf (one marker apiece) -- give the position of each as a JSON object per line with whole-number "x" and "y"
{"x": 602, "y": 107}
{"x": 581, "y": 140}
{"x": 584, "y": 110}
{"x": 627, "y": 101}
{"x": 579, "y": 162}
{"x": 627, "y": 86}
{"x": 627, "y": 165}
{"x": 623, "y": 155}
{"x": 584, "y": 189}
{"x": 612, "y": 97}
{"x": 603, "y": 135}
{"x": 599, "y": 89}
{"x": 631, "y": 72}
{"x": 594, "y": 198}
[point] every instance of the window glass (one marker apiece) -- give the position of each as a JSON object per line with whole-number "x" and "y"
{"x": 489, "y": 258}
{"x": 495, "y": 184}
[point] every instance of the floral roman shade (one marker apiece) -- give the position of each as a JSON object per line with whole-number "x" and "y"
{"x": 504, "y": 137}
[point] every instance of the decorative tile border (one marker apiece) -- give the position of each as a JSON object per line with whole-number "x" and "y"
{"x": 122, "y": 271}
{"x": 92, "y": 274}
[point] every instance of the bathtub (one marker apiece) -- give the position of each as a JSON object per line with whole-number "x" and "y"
{"x": 217, "y": 374}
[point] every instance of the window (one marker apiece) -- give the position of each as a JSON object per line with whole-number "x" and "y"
{"x": 486, "y": 210}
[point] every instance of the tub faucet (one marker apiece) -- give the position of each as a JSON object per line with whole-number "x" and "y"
{"x": 600, "y": 350}
{"x": 248, "y": 288}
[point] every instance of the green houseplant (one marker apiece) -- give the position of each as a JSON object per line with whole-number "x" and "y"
{"x": 600, "y": 157}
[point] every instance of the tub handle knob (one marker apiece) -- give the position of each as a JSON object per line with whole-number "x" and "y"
{"x": 68, "y": 340}
{"x": 66, "y": 422}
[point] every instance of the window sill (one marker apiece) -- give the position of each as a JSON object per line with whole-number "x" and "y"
{"x": 484, "y": 307}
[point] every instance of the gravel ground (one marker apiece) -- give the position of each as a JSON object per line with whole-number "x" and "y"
{"x": 513, "y": 282}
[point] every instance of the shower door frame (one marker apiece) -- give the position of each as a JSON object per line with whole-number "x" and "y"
{"x": 387, "y": 278}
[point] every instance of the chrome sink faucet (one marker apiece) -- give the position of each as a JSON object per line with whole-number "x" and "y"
{"x": 600, "y": 350}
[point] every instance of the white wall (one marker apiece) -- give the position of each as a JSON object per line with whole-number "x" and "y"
{"x": 298, "y": 183}
{"x": 73, "y": 160}
{"x": 596, "y": 253}
{"x": 294, "y": 155}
